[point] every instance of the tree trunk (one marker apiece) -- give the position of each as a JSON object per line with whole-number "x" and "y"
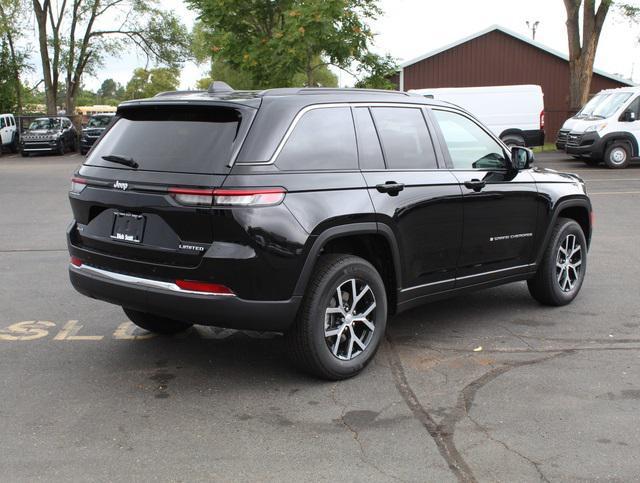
{"x": 50, "y": 90}
{"x": 582, "y": 54}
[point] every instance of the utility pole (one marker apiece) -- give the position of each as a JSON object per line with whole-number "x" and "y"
{"x": 534, "y": 27}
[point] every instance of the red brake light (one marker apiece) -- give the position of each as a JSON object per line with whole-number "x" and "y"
{"x": 541, "y": 120}
{"x": 228, "y": 197}
{"x": 194, "y": 286}
{"x": 76, "y": 262}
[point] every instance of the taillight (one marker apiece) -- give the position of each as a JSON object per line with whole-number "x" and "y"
{"x": 248, "y": 197}
{"x": 76, "y": 262}
{"x": 194, "y": 286}
{"x": 192, "y": 197}
{"x": 77, "y": 185}
{"x": 228, "y": 197}
{"x": 541, "y": 120}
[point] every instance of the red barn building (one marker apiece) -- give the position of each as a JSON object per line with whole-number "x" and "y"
{"x": 498, "y": 56}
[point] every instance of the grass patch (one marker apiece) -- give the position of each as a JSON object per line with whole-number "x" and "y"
{"x": 545, "y": 149}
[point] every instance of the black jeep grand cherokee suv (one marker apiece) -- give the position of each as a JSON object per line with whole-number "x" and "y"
{"x": 315, "y": 212}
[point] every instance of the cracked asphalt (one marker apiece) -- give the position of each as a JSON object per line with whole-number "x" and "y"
{"x": 554, "y": 394}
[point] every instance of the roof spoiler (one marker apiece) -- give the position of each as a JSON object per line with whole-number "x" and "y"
{"x": 219, "y": 86}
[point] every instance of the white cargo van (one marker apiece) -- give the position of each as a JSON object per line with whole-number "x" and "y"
{"x": 513, "y": 113}
{"x": 606, "y": 129}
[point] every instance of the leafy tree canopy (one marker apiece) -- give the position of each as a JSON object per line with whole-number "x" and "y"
{"x": 149, "y": 82}
{"x": 285, "y": 42}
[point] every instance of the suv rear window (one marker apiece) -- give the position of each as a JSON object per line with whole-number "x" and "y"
{"x": 323, "y": 139}
{"x": 175, "y": 139}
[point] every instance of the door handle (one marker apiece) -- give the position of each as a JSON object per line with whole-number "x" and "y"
{"x": 390, "y": 187}
{"x": 475, "y": 184}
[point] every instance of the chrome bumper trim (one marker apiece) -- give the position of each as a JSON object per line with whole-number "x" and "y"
{"x": 143, "y": 282}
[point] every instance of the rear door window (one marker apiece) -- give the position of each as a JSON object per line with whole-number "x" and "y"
{"x": 369, "y": 151}
{"x": 323, "y": 138}
{"x": 405, "y": 138}
{"x": 176, "y": 139}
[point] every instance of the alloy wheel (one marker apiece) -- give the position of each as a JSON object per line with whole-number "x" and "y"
{"x": 568, "y": 263}
{"x": 349, "y": 320}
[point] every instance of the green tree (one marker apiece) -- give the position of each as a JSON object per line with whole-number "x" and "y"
{"x": 72, "y": 43}
{"x": 147, "y": 83}
{"x": 274, "y": 41}
{"x": 14, "y": 59}
{"x": 379, "y": 73}
{"x": 108, "y": 89}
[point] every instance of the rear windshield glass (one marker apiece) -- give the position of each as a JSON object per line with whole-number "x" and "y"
{"x": 171, "y": 138}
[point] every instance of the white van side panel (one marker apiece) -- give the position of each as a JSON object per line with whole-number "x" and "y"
{"x": 498, "y": 107}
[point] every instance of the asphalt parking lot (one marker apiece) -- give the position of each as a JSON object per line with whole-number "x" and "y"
{"x": 553, "y": 394}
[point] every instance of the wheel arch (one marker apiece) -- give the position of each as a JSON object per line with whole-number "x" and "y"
{"x": 372, "y": 241}
{"x": 578, "y": 209}
{"x": 612, "y": 137}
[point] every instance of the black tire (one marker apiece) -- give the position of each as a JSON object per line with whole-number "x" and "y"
{"x": 549, "y": 286}
{"x": 307, "y": 342}
{"x": 61, "y": 148}
{"x": 24, "y": 154}
{"x": 14, "y": 148}
{"x": 617, "y": 155}
{"x": 83, "y": 152}
{"x": 155, "y": 323}
{"x": 513, "y": 140}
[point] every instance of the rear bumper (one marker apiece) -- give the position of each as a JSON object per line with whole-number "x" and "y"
{"x": 160, "y": 298}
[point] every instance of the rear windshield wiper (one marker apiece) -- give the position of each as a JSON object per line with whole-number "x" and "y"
{"x": 114, "y": 158}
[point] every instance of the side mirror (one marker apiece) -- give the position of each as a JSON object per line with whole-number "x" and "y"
{"x": 628, "y": 116}
{"x": 521, "y": 157}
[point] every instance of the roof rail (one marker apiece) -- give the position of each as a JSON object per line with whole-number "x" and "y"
{"x": 328, "y": 90}
{"x": 173, "y": 93}
{"x": 219, "y": 86}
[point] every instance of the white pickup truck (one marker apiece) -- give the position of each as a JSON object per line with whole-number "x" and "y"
{"x": 8, "y": 133}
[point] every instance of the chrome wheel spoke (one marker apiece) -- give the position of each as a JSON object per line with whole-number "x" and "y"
{"x": 359, "y": 296}
{"x": 349, "y": 329}
{"x": 568, "y": 261}
{"x": 359, "y": 342}
{"x": 351, "y": 341}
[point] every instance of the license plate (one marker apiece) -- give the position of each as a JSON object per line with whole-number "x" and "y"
{"x": 127, "y": 227}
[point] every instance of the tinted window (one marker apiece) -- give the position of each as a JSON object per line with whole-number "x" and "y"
{"x": 322, "y": 139}
{"x": 369, "y": 150}
{"x": 405, "y": 138}
{"x": 470, "y": 147}
{"x": 178, "y": 139}
{"x": 2, "y": 124}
